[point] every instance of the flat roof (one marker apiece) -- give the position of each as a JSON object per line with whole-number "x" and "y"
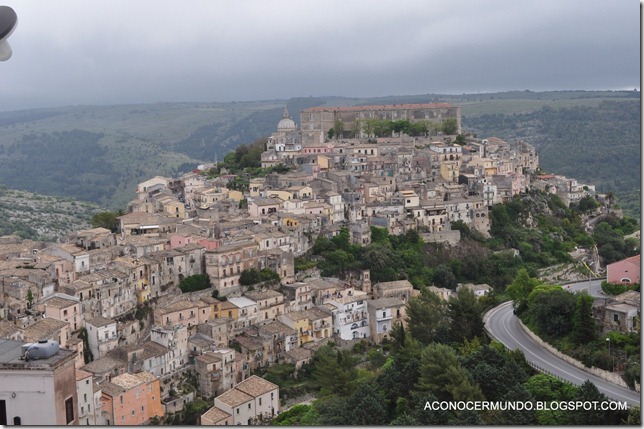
{"x": 10, "y": 352}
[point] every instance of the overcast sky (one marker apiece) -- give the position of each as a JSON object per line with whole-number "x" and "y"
{"x": 138, "y": 51}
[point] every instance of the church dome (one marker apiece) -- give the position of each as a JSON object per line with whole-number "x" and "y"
{"x": 286, "y": 123}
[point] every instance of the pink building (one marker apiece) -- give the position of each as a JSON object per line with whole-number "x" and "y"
{"x": 180, "y": 240}
{"x": 626, "y": 271}
{"x": 209, "y": 244}
{"x": 66, "y": 308}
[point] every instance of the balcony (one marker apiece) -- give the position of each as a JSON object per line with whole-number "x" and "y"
{"x": 109, "y": 338}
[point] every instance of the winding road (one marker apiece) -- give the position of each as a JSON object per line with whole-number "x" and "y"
{"x": 504, "y": 326}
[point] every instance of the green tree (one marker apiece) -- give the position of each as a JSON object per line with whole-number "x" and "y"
{"x": 367, "y": 406}
{"x": 525, "y": 417}
{"x": 379, "y": 235}
{"x": 587, "y": 204}
{"x": 580, "y": 416}
{"x": 338, "y": 128}
{"x": 521, "y": 288}
{"x": 450, "y": 126}
{"x": 494, "y": 371}
{"x": 584, "y": 327}
{"x": 426, "y": 417}
{"x": 30, "y": 298}
{"x": 443, "y": 276}
{"x": 547, "y": 388}
{"x": 107, "y": 220}
{"x": 297, "y": 415}
{"x": 334, "y": 371}
{"x": 460, "y": 140}
{"x": 405, "y": 420}
{"x": 195, "y": 283}
{"x": 253, "y": 276}
{"x": 426, "y": 317}
{"x": 466, "y": 316}
{"x": 332, "y": 410}
{"x": 551, "y": 311}
{"x": 442, "y": 375}
{"x": 378, "y": 257}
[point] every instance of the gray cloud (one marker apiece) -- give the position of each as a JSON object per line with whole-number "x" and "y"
{"x": 117, "y": 51}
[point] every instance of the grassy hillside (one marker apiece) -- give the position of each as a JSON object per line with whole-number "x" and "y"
{"x": 40, "y": 217}
{"x": 100, "y": 153}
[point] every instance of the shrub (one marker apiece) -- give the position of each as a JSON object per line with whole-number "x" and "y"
{"x": 195, "y": 283}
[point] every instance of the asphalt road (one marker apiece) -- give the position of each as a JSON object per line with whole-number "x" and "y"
{"x": 504, "y": 326}
{"x": 593, "y": 287}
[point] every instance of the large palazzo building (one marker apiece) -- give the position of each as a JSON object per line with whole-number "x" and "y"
{"x": 317, "y": 121}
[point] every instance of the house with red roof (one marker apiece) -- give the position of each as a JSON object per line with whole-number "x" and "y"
{"x": 626, "y": 271}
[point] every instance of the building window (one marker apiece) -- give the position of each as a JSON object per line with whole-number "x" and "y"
{"x": 69, "y": 410}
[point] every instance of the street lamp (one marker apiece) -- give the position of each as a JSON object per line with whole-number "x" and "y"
{"x": 609, "y": 355}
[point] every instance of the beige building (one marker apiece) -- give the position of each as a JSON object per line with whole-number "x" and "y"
{"x": 67, "y": 309}
{"x": 400, "y": 289}
{"x": 317, "y": 121}
{"x": 37, "y": 392}
{"x": 184, "y": 312}
{"x": 270, "y": 304}
{"x": 250, "y": 402}
{"x": 384, "y": 313}
{"x": 216, "y": 371}
{"x": 102, "y": 336}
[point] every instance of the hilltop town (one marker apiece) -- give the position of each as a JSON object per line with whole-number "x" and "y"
{"x": 118, "y": 334}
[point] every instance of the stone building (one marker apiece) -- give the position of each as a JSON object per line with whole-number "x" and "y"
{"x": 317, "y": 121}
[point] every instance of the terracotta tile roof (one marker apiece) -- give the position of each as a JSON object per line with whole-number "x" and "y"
{"x": 103, "y": 365}
{"x": 215, "y": 415}
{"x": 80, "y": 374}
{"x": 385, "y": 303}
{"x": 256, "y": 386}
{"x": 111, "y": 389}
{"x": 395, "y": 285}
{"x": 378, "y": 107}
{"x": 99, "y": 321}
{"x": 234, "y": 397}
{"x": 58, "y": 302}
{"x": 43, "y": 329}
{"x": 276, "y": 327}
{"x": 634, "y": 260}
{"x": 298, "y": 354}
{"x": 127, "y": 381}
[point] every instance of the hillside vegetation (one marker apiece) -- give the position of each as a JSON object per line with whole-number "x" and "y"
{"x": 39, "y": 217}
{"x": 100, "y": 153}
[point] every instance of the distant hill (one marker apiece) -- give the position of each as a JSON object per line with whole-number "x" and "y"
{"x": 100, "y": 153}
{"x": 40, "y": 217}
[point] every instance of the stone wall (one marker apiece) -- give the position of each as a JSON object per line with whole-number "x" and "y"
{"x": 601, "y": 373}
